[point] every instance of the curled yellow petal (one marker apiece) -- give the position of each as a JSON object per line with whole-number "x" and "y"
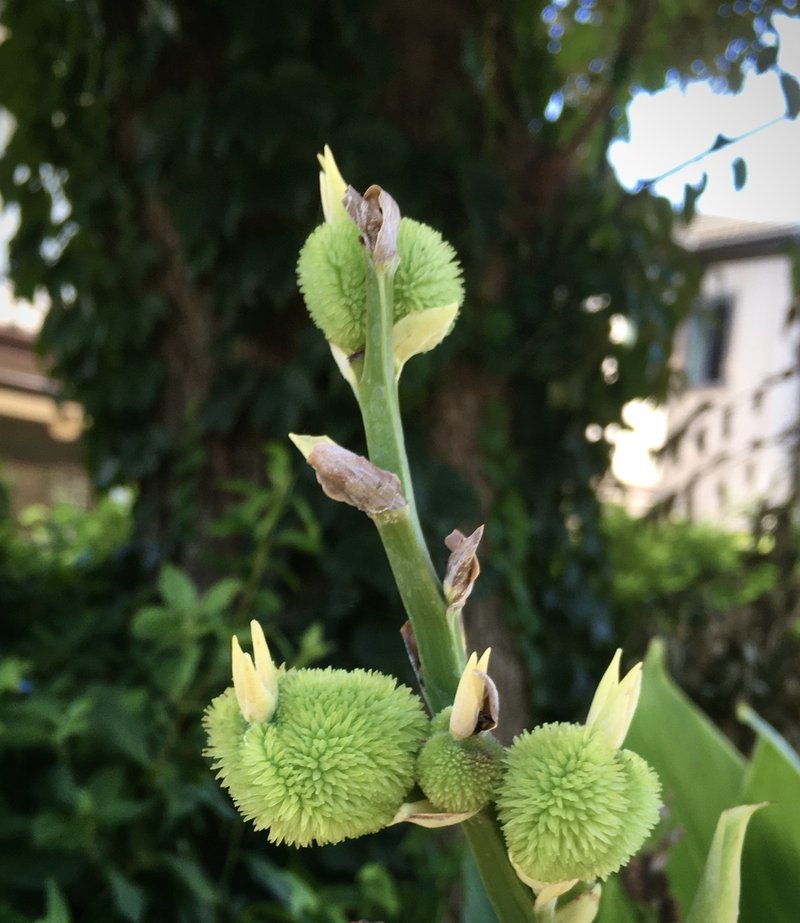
{"x": 425, "y": 814}
{"x": 420, "y": 332}
{"x": 581, "y": 909}
{"x": 332, "y": 186}
{"x": 345, "y": 366}
{"x": 545, "y": 891}
{"x": 469, "y": 696}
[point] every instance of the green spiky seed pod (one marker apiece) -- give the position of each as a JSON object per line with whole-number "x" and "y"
{"x": 334, "y": 761}
{"x": 441, "y": 720}
{"x": 332, "y": 277}
{"x": 459, "y": 775}
{"x": 573, "y": 806}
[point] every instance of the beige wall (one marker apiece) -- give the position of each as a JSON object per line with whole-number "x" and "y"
{"x": 735, "y": 447}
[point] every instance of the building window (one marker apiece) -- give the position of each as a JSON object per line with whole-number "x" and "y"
{"x": 727, "y": 422}
{"x": 700, "y": 441}
{"x": 707, "y": 329}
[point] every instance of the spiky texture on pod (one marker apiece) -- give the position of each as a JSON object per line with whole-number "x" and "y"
{"x": 459, "y": 775}
{"x": 573, "y": 806}
{"x": 334, "y": 762}
{"x": 331, "y": 272}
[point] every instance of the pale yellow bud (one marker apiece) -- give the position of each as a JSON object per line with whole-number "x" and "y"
{"x": 470, "y": 696}
{"x": 331, "y": 187}
{"x": 615, "y": 701}
{"x": 581, "y": 909}
{"x": 256, "y": 685}
{"x": 265, "y": 668}
{"x": 306, "y": 444}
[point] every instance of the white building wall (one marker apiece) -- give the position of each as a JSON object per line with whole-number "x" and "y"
{"x": 731, "y": 441}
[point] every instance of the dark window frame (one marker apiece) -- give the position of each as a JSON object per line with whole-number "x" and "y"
{"x": 708, "y": 329}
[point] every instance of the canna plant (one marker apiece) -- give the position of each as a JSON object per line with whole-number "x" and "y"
{"x": 316, "y": 756}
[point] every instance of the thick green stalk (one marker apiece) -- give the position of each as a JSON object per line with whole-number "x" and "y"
{"x": 378, "y": 396}
{"x": 511, "y": 899}
{"x": 420, "y": 589}
{"x": 440, "y": 667}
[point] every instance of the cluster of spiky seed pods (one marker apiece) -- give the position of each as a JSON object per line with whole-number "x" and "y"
{"x": 316, "y": 756}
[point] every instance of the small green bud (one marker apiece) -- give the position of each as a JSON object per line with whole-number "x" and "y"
{"x": 334, "y": 761}
{"x": 459, "y": 775}
{"x": 572, "y": 806}
{"x": 331, "y": 271}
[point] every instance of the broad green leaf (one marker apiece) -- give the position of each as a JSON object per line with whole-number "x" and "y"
{"x": 701, "y": 773}
{"x": 717, "y": 898}
{"x": 477, "y": 908}
{"x": 771, "y": 859}
{"x": 615, "y": 905}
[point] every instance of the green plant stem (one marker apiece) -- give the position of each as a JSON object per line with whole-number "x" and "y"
{"x": 417, "y": 582}
{"x": 440, "y": 668}
{"x": 378, "y": 395}
{"x": 511, "y": 899}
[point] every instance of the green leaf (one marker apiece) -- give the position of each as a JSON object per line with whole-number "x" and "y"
{"x": 220, "y": 596}
{"x": 791, "y": 92}
{"x": 771, "y": 860}
{"x": 176, "y": 589}
{"x": 287, "y": 887}
{"x": 56, "y": 907}
{"x": 313, "y": 646}
{"x": 692, "y": 193}
{"x": 129, "y": 898}
{"x": 477, "y": 908}
{"x": 766, "y": 58}
{"x": 717, "y": 898}
{"x": 191, "y": 874}
{"x": 739, "y": 173}
{"x": 12, "y": 672}
{"x": 615, "y": 905}
{"x": 701, "y": 773}
{"x": 379, "y": 888}
{"x": 153, "y": 622}
{"x": 176, "y": 672}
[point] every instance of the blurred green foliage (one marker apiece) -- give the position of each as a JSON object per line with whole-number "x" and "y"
{"x": 108, "y": 810}
{"x": 670, "y": 574}
{"x": 163, "y": 165}
{"x": 66, "y": 534}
